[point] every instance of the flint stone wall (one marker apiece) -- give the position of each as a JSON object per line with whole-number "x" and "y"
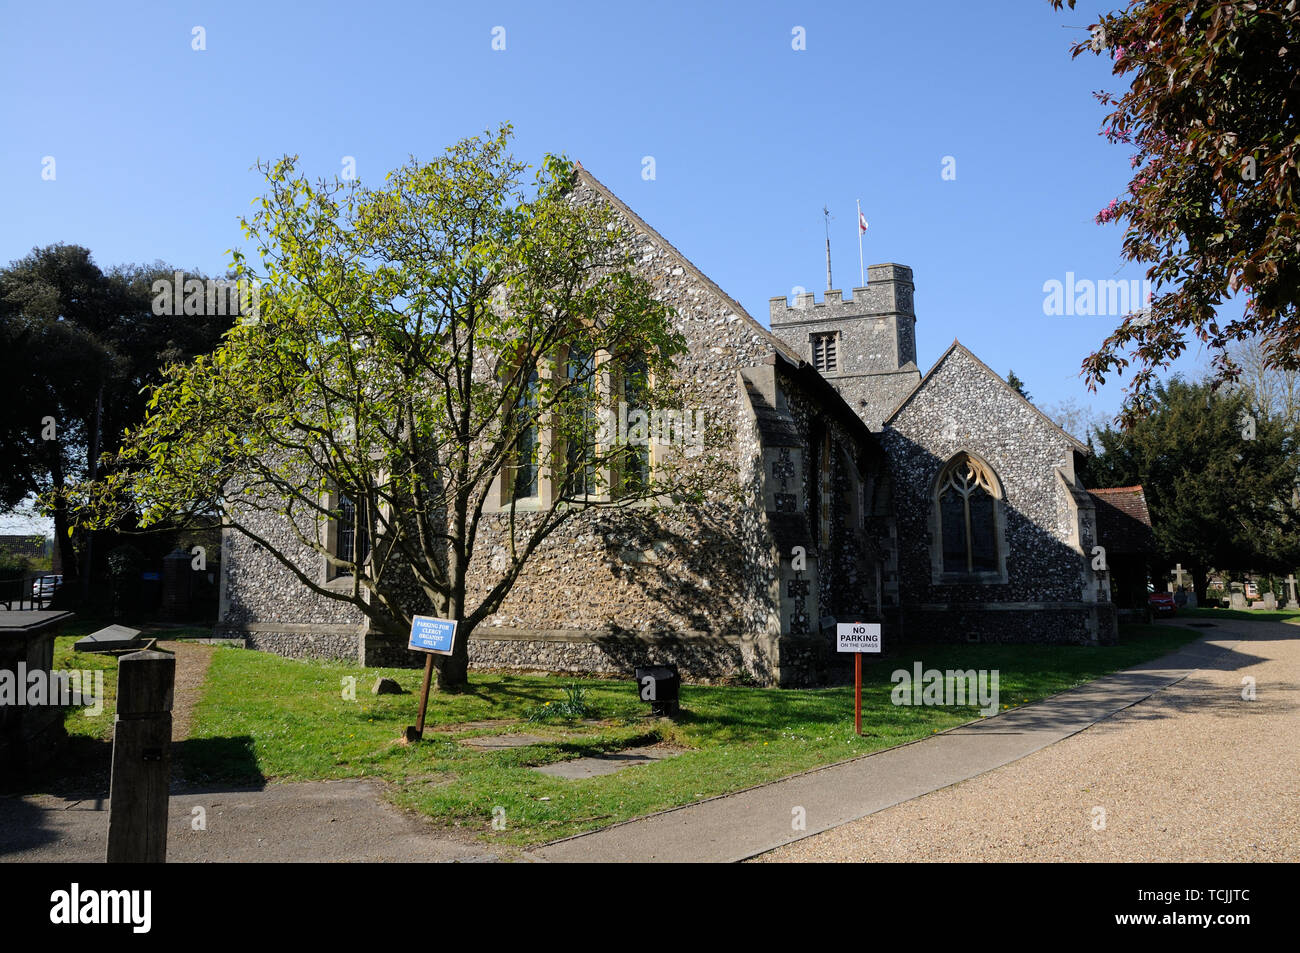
{"x": 963, "y": 406}
{"x": 644, "y": 573}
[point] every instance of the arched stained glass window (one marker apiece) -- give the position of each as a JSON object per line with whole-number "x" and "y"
{"x": 967, "y": 501}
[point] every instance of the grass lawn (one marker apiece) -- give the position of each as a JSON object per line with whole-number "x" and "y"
{"x": 267, "y": 717}
{"x": 1251, "y": 615}
{"x": 81, "y": 767}
{"x": 77, "y": 722}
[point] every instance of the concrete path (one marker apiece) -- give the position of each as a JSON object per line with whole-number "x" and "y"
{"x": 314, "y": 821}
{"x": 739, "y": 826}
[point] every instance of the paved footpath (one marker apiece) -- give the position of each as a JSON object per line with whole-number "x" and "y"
{"x": 743, "y": 825}
{"x": 330, "y": 821}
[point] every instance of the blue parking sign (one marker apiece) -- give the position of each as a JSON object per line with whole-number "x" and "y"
{"x": 436, "y": 636}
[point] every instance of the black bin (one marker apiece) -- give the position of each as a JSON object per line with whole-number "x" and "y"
{"x": 661, "y": 686}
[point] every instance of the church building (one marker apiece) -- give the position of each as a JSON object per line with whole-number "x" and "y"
{"x": 942, "y": 504}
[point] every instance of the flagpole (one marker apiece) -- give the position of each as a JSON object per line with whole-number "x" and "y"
{"x": 862, "y": 272}
{"x": 826, "y": 212}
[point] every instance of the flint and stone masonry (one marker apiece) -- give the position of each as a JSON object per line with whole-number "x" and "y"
{"x": 835, "y": 469}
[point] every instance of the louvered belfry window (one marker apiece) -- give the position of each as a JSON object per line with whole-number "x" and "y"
{"x": 825, "y": 351}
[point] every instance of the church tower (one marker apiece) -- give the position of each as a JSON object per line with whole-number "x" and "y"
{"x": 864, "y": 345}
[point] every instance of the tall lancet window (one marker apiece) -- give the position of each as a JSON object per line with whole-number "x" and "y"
{"x": 353, "y": 543}
{"x": 967, "y": 500}
{"x": 527, "y": 468}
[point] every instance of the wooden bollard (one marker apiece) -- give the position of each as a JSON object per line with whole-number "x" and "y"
{"x": 142, "y": 735}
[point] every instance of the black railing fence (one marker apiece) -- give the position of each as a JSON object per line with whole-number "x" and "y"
{"x": 27, "y": 592}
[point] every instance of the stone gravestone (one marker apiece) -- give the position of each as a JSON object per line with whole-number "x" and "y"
{"x": 1238, "y": 598}
{"x": 1187, "y": 597}
{"x": 1291, "y": 602}
{"x": 1269, "y": 600}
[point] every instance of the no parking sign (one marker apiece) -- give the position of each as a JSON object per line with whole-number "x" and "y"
{"x": 857, "y": 637}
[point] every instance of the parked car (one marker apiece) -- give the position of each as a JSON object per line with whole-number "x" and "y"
{"x": 1162, "y": 603}
{"x": 44, "y": 587}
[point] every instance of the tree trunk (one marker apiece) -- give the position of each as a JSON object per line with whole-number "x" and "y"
{"x": 453, "y": 670}
{"x": 67, "y": 551}
{"x": 1200, "y": 583}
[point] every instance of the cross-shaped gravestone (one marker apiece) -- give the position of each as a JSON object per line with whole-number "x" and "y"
{"x": 1291, "y": 589}
{"x": 1179, "y": 572}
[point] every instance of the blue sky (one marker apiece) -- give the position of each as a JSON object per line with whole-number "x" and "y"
{"x": 154, "y": 142}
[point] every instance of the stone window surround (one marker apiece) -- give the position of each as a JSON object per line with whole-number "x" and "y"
{"x": 329, "y": 575}
{"x": 996, "y": 577}
{"x": 549, "y": 448}
{"x": 329, "y": 528}
{"x": 833, "y": 363}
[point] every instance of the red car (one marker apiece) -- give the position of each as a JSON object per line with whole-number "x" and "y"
{"x": 1162, "y": 603}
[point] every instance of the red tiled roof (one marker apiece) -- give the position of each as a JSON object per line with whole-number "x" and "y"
{"x": 1123, "y": 520}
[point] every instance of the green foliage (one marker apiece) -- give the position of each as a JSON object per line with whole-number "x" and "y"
{"x": 14, "y": 565}
{"x": 69, "y": 335}
{"x": 409, "y": 338}
{"x": 1210, "y": 116}
{"x": 1220, "y": 483}
{"x": 1016, "y": 384}
{"x": 574, "y": 705}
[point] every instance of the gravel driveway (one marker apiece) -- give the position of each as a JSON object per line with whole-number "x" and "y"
{"x": 1194, "y": 773}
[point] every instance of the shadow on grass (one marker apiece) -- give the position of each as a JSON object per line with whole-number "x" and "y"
{"x": 77, "y": 768}
{"x": 205, "y": 760}
{"x": 590, "y": 748}
{"x": 80, "y": 768}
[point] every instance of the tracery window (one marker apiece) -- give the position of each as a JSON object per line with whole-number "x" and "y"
{"x": 351, "y": 543}
{"x": 967, "y": 499}
{"x": 636, "y": 395}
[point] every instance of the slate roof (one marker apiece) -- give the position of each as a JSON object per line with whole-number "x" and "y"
{"x": 1123, "y": 520}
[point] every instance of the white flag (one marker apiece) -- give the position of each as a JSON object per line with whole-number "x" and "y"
{"x": 862, "y": 222}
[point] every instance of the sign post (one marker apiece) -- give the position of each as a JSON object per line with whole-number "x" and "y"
{"x": 857, "y": 637}
{"x": 433, "y": 637}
